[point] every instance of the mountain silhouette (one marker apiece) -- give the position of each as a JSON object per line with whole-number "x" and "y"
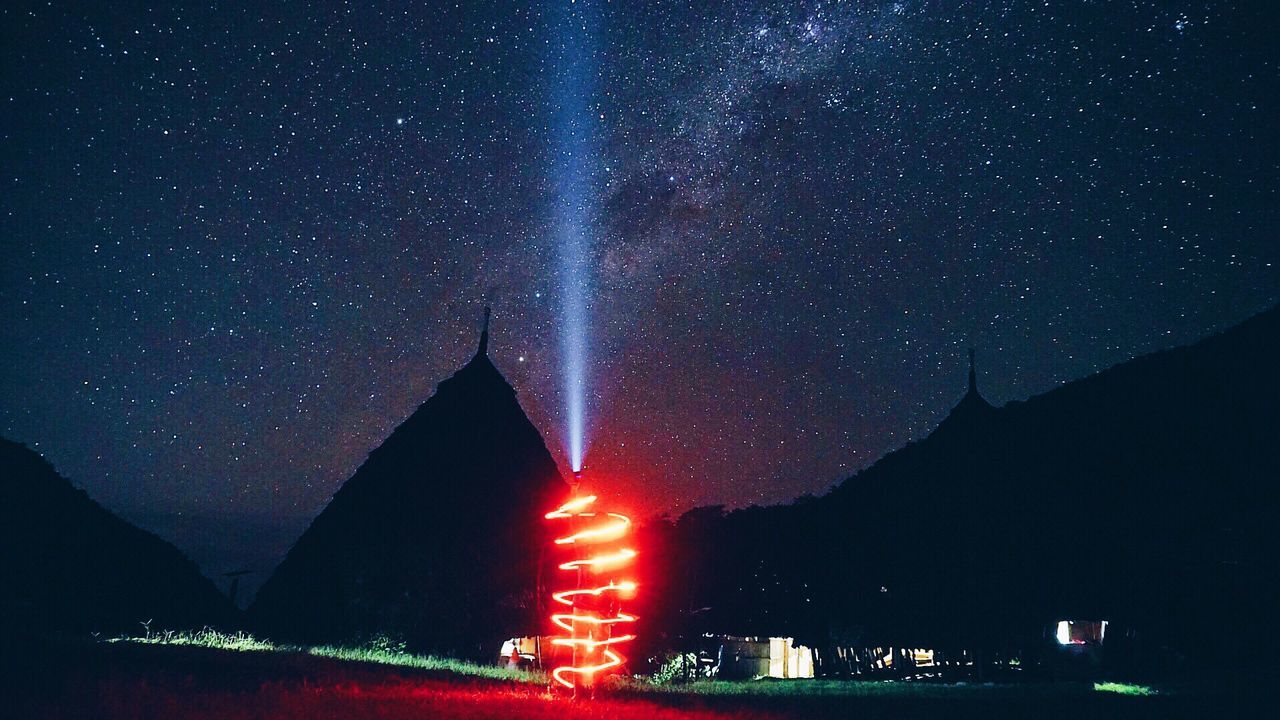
{"x": 1145, "y": 495}
{"x": 71, "y": 567}
{"x": 436, "y": 541}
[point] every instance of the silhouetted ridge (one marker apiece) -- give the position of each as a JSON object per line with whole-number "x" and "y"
{"x": 71, "y": 566}
{"x": 1145, "y": 495}
{"x": 436, "y": 538}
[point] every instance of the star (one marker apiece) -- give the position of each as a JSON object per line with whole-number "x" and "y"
{"x": 222, "y": 324}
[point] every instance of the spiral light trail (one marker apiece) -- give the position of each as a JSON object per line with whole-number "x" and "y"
{"x": 594, "y": 603}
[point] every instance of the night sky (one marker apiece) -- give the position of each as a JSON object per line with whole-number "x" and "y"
{"x": 240, "y": 243}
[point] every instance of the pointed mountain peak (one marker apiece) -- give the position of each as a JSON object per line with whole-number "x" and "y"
{"x": 442, "y": 520}
{"x": 479, "y": 369}
{"x": 972, "y": 403}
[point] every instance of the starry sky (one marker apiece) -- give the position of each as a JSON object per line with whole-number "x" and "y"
{"x": 241, "y": 242}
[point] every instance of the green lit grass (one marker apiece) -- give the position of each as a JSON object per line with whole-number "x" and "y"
{"x": 1124, "y": 688}
{"x": 242, "y": 642}
{"x": 425, "y": 662}
{"x": 378, "y": 654}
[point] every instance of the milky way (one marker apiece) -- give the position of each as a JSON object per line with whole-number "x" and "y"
{"x": 241, "y": 245}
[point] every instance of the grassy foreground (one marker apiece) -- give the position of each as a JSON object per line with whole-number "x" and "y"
{"x": 383, "y": 654}
{"x": 210, "y": 675}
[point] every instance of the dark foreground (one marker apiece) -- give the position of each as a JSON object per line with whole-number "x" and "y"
{"x": 156, "y": 681}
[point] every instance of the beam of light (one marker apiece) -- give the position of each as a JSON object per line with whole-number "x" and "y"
{"x": 602, "y": 562}
{"x": 568, "y": 509}
{"x": 575, "y": 159}
{"x": 566, "y": 621}
{"x": 568, "y": 597}
{"x": 561, "y": 674}
{"x": 617, "y": 526}
{"x": 593, "y": 610}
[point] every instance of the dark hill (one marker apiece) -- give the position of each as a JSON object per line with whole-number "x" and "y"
{"x": 1145, "y": 495}
{"x": 436, "y": 539}
{"x": 70, "y": 566}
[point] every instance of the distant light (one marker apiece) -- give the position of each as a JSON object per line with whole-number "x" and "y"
{"x": 399, "y": 121}
{"x": 1092, "y": 631}
{"x": 520, "y": 359}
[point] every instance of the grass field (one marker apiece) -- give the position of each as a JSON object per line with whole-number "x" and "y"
{"x": 232, "y": 677}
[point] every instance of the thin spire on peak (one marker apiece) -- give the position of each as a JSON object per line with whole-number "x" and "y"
{"x": 484, "y": 334}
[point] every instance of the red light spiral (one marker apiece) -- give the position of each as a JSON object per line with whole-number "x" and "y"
{"x": 594, "y": 603}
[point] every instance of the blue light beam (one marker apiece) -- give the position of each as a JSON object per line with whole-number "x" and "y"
{"x": 575, "y": 160}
